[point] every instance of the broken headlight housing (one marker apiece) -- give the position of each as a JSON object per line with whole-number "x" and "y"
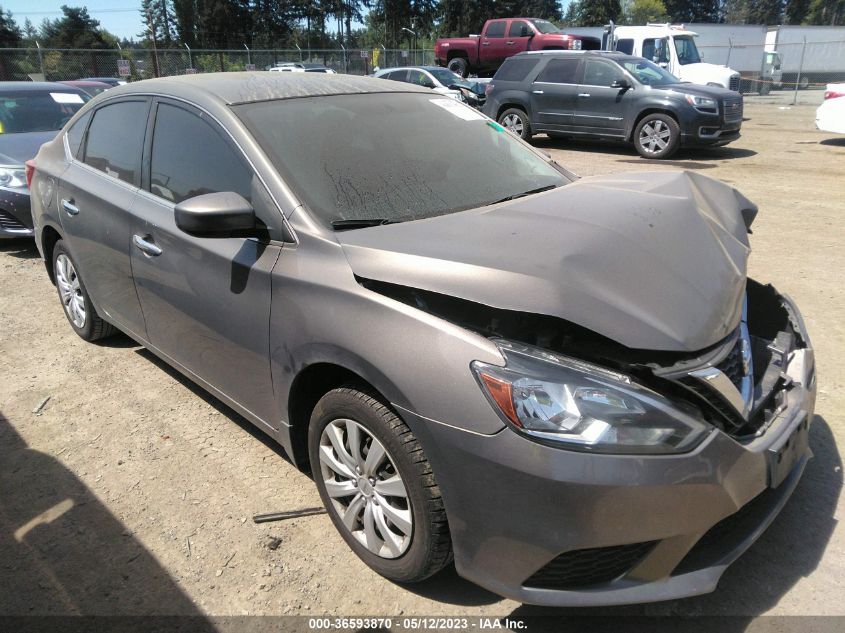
{"x": 580, "y": 406}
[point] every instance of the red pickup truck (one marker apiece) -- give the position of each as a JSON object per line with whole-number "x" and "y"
{"x": 502, "y": 38}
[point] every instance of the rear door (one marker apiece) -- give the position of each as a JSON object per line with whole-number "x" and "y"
{"x": 599, "y": 108}
{"x": 97, "y": 193}
{"x": 493, "y": 47}
{"x": 554, "y": 93}
{"x": 206, "y": 300}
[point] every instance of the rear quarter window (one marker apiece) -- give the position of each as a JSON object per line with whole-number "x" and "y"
{"x": 515, "y": 69}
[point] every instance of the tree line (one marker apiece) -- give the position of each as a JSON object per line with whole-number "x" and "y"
{"x": 230, "y": 24}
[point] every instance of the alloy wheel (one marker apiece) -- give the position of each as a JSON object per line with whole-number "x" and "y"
{"x": 70, "y": 291}
{"x": 513, "y": 123}
{"x": 655, "y": 136}
{"x": 365, "y": 487}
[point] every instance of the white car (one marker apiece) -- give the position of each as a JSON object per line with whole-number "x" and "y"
{"x": 441, "y": 80}
{"x": 297, "y": 67}
{"x": 830, "y": 117}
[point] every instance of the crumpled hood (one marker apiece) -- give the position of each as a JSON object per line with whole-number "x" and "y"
{"x": 651, "y": 260}
{"x": 16, "y": 149}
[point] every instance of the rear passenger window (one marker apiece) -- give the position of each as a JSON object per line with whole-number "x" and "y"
{"x": 625, "y": 46}
{"x": 116, "y": 140}
{"x": 76, "y": 132}
{"x": 398, "y": 75}
{"x": 496, "y": 29}
{"x": 598, "y": 73}
{"x": 515, "y": 69}
{"x": 190, "y": 158}
{"x": 560, "y": 71}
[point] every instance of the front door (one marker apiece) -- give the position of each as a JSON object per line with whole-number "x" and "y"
{"x": 519, "y": 37}
{"x": 96, "y": 196}
{"x": 554, "y": 93}
{"x": 206, "y": 300}
{"x": 599, "y": 107}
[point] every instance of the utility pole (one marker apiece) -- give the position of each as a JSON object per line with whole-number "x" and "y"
{"x": 155, "y": 46}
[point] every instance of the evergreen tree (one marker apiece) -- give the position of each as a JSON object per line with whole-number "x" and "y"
{"x": 75, "y": 29}
{"x": 598, "y": 12}
{"x": 638, "y": 12}
{"x": 157, "y": 16}
{"x": 10, "y": 32}
{"x": 694, "y": 10}
{"x": 830, "y": 12}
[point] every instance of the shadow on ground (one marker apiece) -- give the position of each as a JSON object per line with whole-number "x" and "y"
{"x": 23, "y": 247}
{"x": 63, "y": 553}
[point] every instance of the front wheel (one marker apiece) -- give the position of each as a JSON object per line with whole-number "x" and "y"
{"x": 657, "y": 136}
{"x": 516, "y": 121}
{"x": 377, "y": 486}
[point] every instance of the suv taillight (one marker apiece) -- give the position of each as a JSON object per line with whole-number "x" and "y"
{"x": 29, "y": 166}
{"x": 833, "y": 94}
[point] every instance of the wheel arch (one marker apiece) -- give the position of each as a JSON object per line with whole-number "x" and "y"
{"x": 49, "y": 236}
{"x": 315, "y": 380}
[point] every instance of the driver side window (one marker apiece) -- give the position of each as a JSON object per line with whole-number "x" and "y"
{"x": 420, "y": 79}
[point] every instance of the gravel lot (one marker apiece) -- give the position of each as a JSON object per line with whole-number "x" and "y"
{"x": 154, "y": 482}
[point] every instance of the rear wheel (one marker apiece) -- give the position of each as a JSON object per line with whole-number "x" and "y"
{"x": 459, "y": 66}
{"x": 516, "y": 121}
{"x": 657, "y": 136}
{"x": 79, "y": 310}
{"x": 377, "y": 486}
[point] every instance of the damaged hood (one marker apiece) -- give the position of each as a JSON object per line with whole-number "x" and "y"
{"x": 653, "y": 261}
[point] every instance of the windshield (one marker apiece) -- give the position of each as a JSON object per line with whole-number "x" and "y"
{"x": 544, "y": 26}
{"x": 448, "y": 78}
{"x": 41, "y": 111}
{"x": 687, "y": 50}
{"x": 649, "y": 74}
{"x": 394, "y": 157}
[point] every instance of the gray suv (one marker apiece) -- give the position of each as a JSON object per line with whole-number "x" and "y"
{"x": 568, "y": 385}
{"x": 611, "y": 96}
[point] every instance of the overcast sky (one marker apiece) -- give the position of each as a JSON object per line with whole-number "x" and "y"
{"x": 120, "y": 17}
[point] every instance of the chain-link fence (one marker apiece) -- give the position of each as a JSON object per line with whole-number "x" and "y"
{"x": 19, "y": 64}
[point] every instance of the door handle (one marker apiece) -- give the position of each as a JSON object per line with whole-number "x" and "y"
{"x": 485, "y": 43}
{"x": 537, "y": 92}
{"x": 584, "y": 94}
{"x": 509, "y": 43}
{"x": 69, "y": 207}
{"x": 146, "y": 247}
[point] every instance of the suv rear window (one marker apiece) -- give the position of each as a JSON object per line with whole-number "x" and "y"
{"x": 515, "y": 69}
{"x": 560, "y": 71}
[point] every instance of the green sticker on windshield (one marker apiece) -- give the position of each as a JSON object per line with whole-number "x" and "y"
{"x": 495, "y": 126}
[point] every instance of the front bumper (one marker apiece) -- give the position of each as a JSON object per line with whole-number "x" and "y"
{"x": 517, "y": 507}
{"x": 15, "y": 213}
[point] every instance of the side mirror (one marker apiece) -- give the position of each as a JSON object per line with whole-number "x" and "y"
{"x": 622, "y": 84}
{"x": 215, "y": 214}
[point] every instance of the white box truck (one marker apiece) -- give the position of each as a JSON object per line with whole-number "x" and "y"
{"x": 823, "y": 54}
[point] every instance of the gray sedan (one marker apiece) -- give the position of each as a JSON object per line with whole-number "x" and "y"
{"x": 569, "y": 386}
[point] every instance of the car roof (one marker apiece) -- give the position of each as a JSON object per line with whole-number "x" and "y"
{"x": 248, "y": 87}
{"x": 428, "y": 68}
{"x": 605, "y": 54}
{"x": 85, "y": 82}
{"x": 35, "y": 86}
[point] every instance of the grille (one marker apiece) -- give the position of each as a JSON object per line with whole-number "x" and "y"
{"x": 585, "y": 567}
{"x": 734, "y": 84}
{"x": 732, "y": 367}
{"x": 733, "y": 109}
{"x": 9, "y": 222}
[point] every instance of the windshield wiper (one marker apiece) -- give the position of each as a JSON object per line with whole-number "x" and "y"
{"x": 523, "y": 194}
{"x": 359, "y": 223}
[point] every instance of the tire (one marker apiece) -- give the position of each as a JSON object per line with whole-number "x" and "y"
{"x": 76, "y": 304}
{"x": 418, "y": 543}
{"x": 804, "y": 83}
{"x": 459, "y": 66}
{"x": 516, "y": 121}
{"x": 657, "y": 136}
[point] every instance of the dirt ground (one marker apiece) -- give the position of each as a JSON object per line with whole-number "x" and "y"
{"x": 151, "y": 483}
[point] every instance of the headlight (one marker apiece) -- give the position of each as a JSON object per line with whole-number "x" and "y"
{"x": 14, "y": 176}
{"x": 702, "y": 103}
{"x": 584, "y": 407}
{"x": 575, "y": 45}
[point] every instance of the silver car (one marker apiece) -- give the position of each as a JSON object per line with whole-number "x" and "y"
{"x": 569, "y": 386}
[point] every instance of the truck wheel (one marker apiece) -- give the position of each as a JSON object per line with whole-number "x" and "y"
{"x": 459, "y": 66}
{"x": 657, "y": 136}
{"x": 804, "y": 82}
{"x": 516, "y": 121}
